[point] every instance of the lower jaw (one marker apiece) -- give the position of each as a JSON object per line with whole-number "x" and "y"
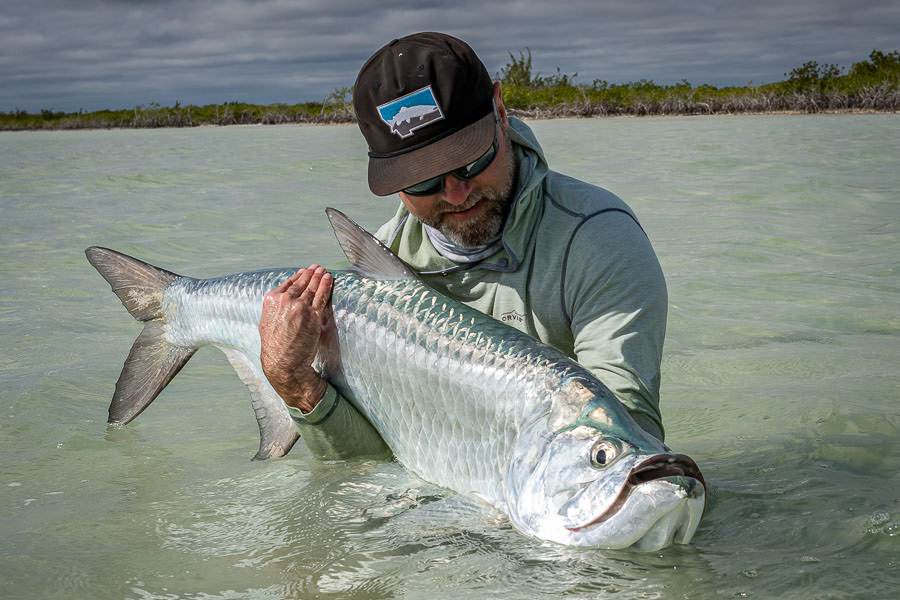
{"x": 650, "y": 516}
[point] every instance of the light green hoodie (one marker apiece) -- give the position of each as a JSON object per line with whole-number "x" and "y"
{"x": 576, "y": 271}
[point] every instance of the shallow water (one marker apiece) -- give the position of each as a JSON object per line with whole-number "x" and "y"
{"x": 780, "y": 239}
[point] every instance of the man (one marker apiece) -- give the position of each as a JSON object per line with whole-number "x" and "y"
{"x": 484, "y": 220}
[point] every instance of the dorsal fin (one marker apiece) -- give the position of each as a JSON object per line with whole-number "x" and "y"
{"x": 368, "y": 256}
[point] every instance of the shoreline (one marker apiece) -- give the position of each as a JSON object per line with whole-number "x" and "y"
{"x": 523, "y": 114}
{"x": 527, "y": 115}
{"x": 870, "y": 86}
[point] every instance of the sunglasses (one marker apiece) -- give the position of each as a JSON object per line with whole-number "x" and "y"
{"x": 435, "y": 185}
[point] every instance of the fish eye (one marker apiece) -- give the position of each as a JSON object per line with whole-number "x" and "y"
{"x": 603, "y": 453}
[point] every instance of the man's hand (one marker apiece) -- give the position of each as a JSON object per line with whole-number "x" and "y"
{"x": 294, "y": 315}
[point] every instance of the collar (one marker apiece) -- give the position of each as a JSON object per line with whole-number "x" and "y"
{"x": 457, "y": 253}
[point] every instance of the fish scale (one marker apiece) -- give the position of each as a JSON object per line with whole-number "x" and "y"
{"x": 477, "y": 381}
{"x": 462, "y": 400}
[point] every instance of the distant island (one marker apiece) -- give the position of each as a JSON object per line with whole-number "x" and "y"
{"x": 869, "y": 85}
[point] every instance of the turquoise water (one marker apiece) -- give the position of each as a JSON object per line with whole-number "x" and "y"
{"x": 780, "y": 239}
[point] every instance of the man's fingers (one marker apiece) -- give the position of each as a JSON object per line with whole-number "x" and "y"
{"x": 300, "y": 284}
{"x": 284, "y": 285}
{"x": 287, "y": 283}
{"x": 311, "y": 286}
{"x": 312, "y": 282}
{"x": 323, "y": 292}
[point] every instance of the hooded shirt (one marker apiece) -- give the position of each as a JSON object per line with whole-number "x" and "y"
{"x": 573, "y": 269}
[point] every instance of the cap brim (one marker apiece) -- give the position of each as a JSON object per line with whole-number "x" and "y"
{"x": 390, "y": 175}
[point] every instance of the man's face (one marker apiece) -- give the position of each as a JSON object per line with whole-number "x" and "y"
{"x": 471, "y": 213}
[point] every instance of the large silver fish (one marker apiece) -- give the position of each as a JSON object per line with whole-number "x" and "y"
{"x": 463, "y": 400}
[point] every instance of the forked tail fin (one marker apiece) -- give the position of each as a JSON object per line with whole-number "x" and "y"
{"x": 153, "y": 361}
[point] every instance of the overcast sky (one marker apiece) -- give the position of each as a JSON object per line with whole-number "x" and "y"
{"x": 95, "y": 54}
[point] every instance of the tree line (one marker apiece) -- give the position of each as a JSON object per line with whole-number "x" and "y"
{"x": 868, "y": 85}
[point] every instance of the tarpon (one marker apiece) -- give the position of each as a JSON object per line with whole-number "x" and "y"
{"x": 462, "y": 400}
{"x": 402, "y": 123}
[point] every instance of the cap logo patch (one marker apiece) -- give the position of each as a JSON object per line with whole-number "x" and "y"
{"x": 410, "y": 112}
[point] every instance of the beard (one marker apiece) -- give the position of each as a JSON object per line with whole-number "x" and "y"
{"x": 496, "y": 204}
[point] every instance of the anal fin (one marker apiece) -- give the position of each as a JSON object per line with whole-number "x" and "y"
{"x": 277, "y": 433}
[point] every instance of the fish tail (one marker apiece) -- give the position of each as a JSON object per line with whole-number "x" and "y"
{"x": 153, "y": 362}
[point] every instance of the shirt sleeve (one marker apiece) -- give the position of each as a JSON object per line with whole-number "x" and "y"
{"x": 616, "y": 298}
{"x": 334, "y": 429}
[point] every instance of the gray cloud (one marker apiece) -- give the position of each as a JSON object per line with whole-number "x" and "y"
{"x": 94, "y": 54}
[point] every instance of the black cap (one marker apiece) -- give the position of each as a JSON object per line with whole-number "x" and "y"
{"x": 424, "y": 105}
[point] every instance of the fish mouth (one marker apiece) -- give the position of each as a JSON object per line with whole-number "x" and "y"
{"x": 665, "y": 465}
{"x": 656, "y": 467}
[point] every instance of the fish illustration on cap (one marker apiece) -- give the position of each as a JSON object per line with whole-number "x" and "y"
{"x": 413, "y": 111}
